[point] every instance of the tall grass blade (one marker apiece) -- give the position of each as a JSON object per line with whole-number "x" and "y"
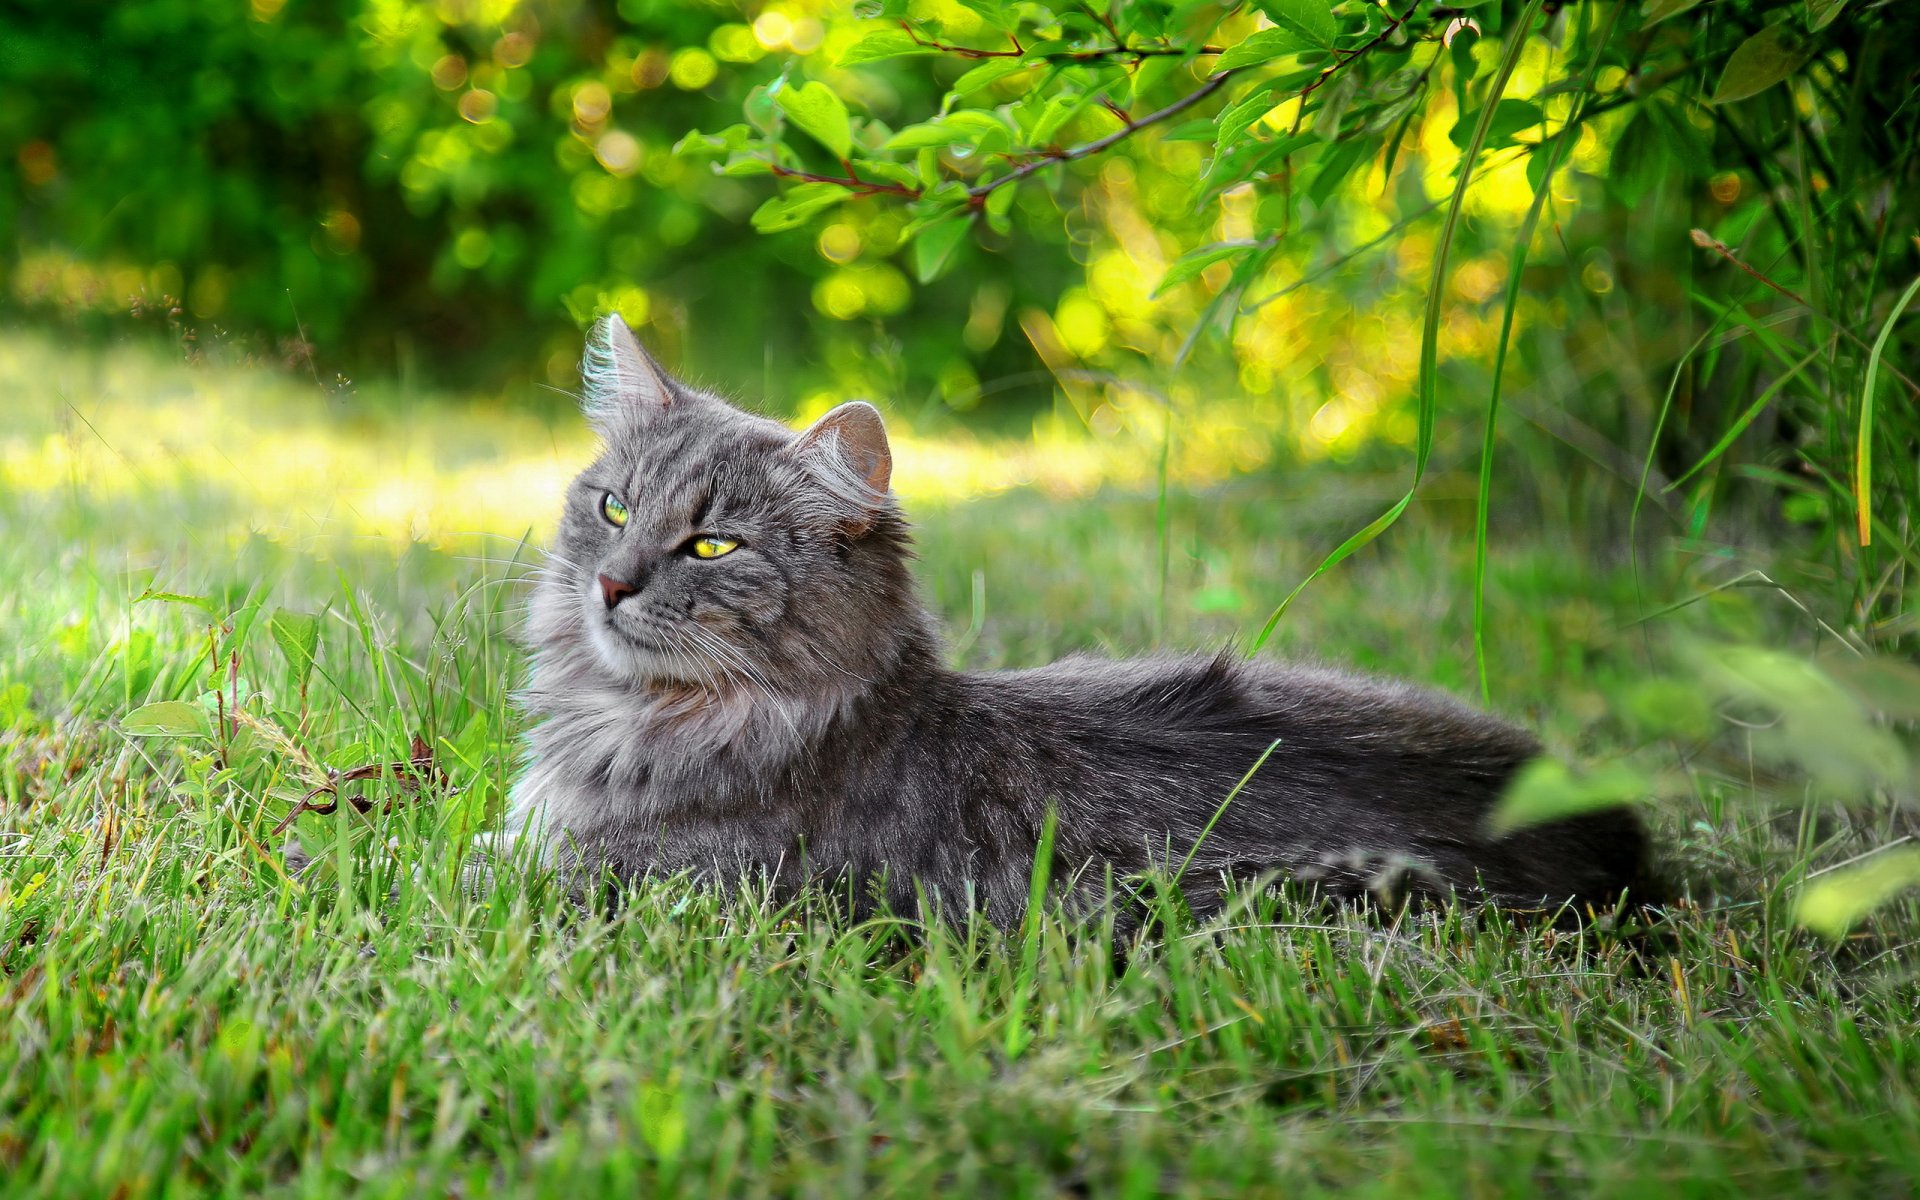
{"x": 1863, "y": 447}
{"x": 1516, "y": 267}
{"x": 1430, "y": 329}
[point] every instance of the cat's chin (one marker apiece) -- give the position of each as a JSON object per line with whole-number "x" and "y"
{"x": 633, "y": 662}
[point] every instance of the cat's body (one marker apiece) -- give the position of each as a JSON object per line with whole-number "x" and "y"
{"x": 781, "y": 707}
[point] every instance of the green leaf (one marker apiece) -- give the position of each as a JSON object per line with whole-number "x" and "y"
{"x": 971, "y": 128}
{"x": 934, "y": 248}
{"x": 999, "y": 204}
{"x": 746, "y": 164}
{"x": 1660, "y": 10}
{"x": 990, "y": 72}
{"x": 727, "y": 141}
{"x": 1509, "y": 118}
{"x": 1239, "y": 118}
{"x": 167, "y": 718}
{"x": 1336, "y": 165}
{"x": 1548, "y": 790}
{"x": 1333, "y": 106}
{"x": 298, "y": 636}
{"x": 663, "y": 1120}
{"x": 761, "y": 111}
{"x": 1802, "y": 718}
{"x": 797, "y": 206}
{"x": 1835, "y": 902}
{"x": 1194, "y": 262}
{"x": 203, "y": 603}
{"x": 818, "y": 110}
{"x": 1261, "y": 47}
{"x": 1761, "y": 61}
{"x": 1820, "y": 13}
{"x": 887, "y": 43}
{"x": 1058, "y": 110}
{"x": 1311, "y": 19}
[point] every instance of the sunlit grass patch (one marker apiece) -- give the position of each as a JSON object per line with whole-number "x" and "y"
{"x": 136, "y": 433}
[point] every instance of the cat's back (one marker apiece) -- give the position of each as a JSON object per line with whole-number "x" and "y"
{"x": 1220, "y": 694}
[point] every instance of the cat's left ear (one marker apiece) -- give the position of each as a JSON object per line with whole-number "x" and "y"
{"x": 620, "y": 382}
{"x": 848, "y": 450}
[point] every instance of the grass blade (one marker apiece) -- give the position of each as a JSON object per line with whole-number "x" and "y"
{"x": 1430, "y": 329}
{"x": 1522, "y": 242}
{"x": 1863, "y": 447}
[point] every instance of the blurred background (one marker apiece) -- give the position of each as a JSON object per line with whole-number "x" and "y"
{"x": 296, "y": 215}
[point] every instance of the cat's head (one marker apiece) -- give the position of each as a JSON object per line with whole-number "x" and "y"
{"x": 712, "y": 549}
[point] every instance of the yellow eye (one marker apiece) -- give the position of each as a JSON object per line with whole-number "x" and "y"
{"x": 613, "y": 510}
{"x": 713, "y": 547}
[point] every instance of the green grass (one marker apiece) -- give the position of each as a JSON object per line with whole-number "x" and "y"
{"x": 181, "y": 1017}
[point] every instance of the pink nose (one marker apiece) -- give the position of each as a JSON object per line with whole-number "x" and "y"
{"x": 613, "y": 591}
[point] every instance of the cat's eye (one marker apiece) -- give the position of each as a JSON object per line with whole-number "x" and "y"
{"x": 613, "y": 510}
{"x": 712, "y": 547}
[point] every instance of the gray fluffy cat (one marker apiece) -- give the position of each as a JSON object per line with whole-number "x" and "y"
{"x": 732, "y": 675}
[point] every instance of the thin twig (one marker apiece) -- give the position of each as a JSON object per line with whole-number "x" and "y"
{"x": 977, "y": 195}
{"x": 1707, "y": 241}
{"x": 854, "y": 184}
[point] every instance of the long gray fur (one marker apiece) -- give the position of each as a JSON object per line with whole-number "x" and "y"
{"x": 785, "y": 709}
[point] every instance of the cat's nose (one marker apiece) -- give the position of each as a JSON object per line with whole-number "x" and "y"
{"x": 613, "y": 591}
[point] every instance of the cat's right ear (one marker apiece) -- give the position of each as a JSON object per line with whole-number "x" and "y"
{"x": 847, "y": 451}
{"x": 620, "y": 384}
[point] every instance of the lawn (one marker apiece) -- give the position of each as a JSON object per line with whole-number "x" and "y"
{"x": 223, "y": 582}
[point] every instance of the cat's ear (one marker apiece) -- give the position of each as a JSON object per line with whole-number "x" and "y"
{"x": 620, "y": 382}
{"x": 848, "y": 451}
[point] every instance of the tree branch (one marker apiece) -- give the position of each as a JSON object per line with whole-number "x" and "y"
{"x": 978, "y": 194}
{"x": 852, "y": 182}
{"x": 1136, "y": 53}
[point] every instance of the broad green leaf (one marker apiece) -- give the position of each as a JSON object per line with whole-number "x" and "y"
{"x": 167, "y": 718}
{"x": 797, "y": 206}
{"x": 746, "y": 164}
{"x": 1548, "y": 790}
{"x": 992, "y": 71}
{"x": 298, "y": 636}
{"x": 891, "y": 172}
{"x": 1832, "y": 904}
{"x": 1312, "y": 19}
{"x": 1820, "y": 13}
{"x": 994, "y": 12}
{"x": 1761, "y": 61}
{"x": 969, "y": 127}
{"x": 1260, "y": 47}
{"x": 1802, "y": 718}
{"x": 1194, "y": 262}
{"x": 1660, "y": 10}
{"x": 1239, "y": 118}
{"x": 931, "y": 135}
{"x": 887, "y": 43}
{"x": 818, "y": 110}
{"x": 1337, "y": 164}
{"x": 1509, "y": 118}
{"x": 933, "y": 248}
{"x": 999, "y": 204}
{"x": 1152, "y": 73}
{"x": 1058, "y": 109}
{"x": 729, "y": 140}
{"x": 1333, "y": 106}
{"x": 663, "y": 1120}
{"x": 761, "y": 111}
